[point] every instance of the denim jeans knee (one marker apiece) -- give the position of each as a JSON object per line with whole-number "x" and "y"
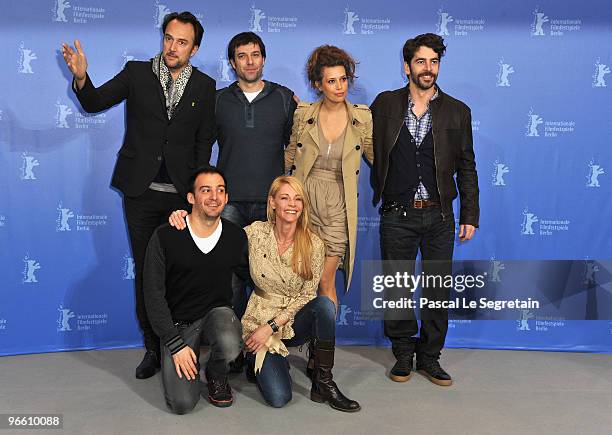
{"x": 228, "y": 345}
{"x": 325, "y": 307}
{"x": 223, "y": 333}
{"x": 278, "y": 399}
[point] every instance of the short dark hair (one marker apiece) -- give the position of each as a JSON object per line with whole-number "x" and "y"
{"x": 206, "y": 169}
{"x": 185, "y": 18}
{"x": 245, "y": 38}
{"x": 329, "y": 56}
{"x": 431, "y": 40}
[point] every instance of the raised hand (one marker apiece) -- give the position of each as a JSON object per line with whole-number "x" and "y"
{"x": 76, "y": 61}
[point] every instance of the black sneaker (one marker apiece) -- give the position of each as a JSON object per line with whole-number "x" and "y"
{"x": 149, "y": 366}
{"x": 219, "y": 390}
{"x": 430, "y": 368}
{"x": 402, "y": 370}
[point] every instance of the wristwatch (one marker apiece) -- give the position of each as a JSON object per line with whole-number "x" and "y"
{"x": 273, "y": 325}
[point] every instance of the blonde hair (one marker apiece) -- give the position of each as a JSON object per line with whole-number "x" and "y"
{"x": 302, "y": 242}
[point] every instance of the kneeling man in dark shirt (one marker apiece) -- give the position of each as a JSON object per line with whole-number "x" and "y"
{"x": 188, "y": 294}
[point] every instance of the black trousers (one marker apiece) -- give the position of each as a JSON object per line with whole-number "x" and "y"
{"x": 143, "y": 215}
{"x": 402, "y": 236}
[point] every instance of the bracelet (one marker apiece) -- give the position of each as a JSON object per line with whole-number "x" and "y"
{"x": 273, "y": 325}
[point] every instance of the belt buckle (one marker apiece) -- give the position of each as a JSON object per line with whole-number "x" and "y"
{"x": 418, "y": 203}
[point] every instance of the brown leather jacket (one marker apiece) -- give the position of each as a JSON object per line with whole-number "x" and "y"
{"x": 453, "y": 150}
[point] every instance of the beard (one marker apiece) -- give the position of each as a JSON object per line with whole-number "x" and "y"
{"x": 422, "y": 85}
{"x": 173, "y": 63}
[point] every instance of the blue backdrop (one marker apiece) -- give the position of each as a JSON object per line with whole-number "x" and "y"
{"x": 535, "y": 74}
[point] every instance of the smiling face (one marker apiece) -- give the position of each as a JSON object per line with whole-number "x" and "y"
{"x": 334, "y": 84}
{"x": 423, "y": 69}
{"x": 248, "y": 63}
{"x": 179, "y": 45}
{"x": 209, "y": 197}
{"x": 287, "y": 205}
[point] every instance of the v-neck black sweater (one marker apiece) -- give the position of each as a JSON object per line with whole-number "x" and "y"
{"x": 182, "y": 284}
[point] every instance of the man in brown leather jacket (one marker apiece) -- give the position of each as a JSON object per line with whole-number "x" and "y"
{"x": 422, "y": 139}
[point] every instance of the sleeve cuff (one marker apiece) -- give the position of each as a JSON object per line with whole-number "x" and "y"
{"x": 175, "y": 344}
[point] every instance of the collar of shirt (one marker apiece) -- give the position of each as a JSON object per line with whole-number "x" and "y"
{"x": 411, "y": 103}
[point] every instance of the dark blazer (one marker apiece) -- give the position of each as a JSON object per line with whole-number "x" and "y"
{"x": 453, "y": 148}
{"x": 184, "y": 142}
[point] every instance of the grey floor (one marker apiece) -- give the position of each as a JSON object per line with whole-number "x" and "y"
{"x": 495, "y": 392}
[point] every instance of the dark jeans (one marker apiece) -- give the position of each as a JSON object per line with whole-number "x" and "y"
{"x": 317, "y": 319}
{"x": 222, "y": 331}
{"x": 401, "y": 238}
{"x": 143, "y": 214}
{"x": 242, "y": 213}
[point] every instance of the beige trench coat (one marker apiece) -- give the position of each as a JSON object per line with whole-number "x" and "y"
{"x": 303, "y": 150}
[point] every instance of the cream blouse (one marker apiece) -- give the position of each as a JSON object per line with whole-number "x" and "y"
{"x": 284, "y": 292}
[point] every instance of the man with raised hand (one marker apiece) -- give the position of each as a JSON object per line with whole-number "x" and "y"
{"x": 169, "y": 132}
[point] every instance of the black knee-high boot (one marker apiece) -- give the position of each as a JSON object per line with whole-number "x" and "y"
{"x": 324, "y": 389}
{"x": 311, "y": 358}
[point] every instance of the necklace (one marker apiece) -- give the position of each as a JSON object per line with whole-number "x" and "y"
{"x": 282, "y": 243}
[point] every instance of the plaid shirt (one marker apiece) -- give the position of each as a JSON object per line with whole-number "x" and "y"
{"x": 418, "y": 128}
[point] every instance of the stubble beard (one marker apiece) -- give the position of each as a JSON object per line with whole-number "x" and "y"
{"x": 423, "y": 87}
{"x": 257, "y": 77}
{"x": 204, "y": 217}
{"x": 176, "y": 67}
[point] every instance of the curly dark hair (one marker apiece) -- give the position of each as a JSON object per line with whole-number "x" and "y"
{"x": 431, "y": 40}
{"x": 328, "y": 56}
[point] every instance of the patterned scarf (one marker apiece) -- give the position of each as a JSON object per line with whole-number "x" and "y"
{"x": 173, "y": 89}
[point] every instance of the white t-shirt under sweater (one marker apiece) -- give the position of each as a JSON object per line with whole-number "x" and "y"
{"x": 252, "y": 95}
{"x": 206, "y": 244}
